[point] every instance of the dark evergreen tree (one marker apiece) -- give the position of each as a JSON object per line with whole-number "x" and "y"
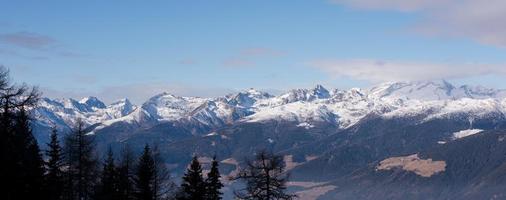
{"x": 81, "y": 163}
{"x": 265, "y": 178}
{"x": 213, "y": 183}
{"x": 145, "y": 176}
{"x": 108, "y": 188}
{"x": 20, "y": 159}
{"x": 31, "y": 167}
{"x": 54, "y": 179}
{"x": 126, "y": 174}
{"x": 193, "y": 185}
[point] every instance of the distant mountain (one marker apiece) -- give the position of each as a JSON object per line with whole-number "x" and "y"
{"x": 342, "y": 107}
{"x": 401, "y": 140}
{"x": 63, "y": 113}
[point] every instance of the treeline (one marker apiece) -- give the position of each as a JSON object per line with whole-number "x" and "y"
{"x": 70, "y": 169}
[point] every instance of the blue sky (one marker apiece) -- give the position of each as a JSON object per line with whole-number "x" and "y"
{"x": 134, "y": 49}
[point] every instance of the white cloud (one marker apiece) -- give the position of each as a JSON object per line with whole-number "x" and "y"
{"x": 482, "y": 21}
{"x": 379, "y": 71}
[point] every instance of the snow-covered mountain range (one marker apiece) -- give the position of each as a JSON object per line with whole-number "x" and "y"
{"x": 337, "y": 144}
{"x": 305, "y": 106}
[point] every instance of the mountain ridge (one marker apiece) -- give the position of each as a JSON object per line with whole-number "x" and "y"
{"x": 328, "y": 137}
{"x": 343, "y": 107}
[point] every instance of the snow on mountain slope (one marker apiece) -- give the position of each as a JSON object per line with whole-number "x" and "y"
{"x": 93, "y": 103}
{"x": 341, "y": 107}
{"x": 432, "y": 90}
{"x": 120, "y": 108}
{"x": 66, "y": 112}
{"x": 465, "y": 133}
{"x": 247, "y": 98}
{"x": 169, "y": 107}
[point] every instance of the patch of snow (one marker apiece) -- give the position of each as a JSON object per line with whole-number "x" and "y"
{"x": 305, "y": 184}
{"x": 310, "y": 158}
{"x": 465, "y": 133}
{"x": 305, "y": 125}
{"x": 212, "y": 134}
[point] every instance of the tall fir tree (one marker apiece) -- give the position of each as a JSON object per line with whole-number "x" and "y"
{"x": 108, "y": 188}
{"x": 31, "y": 169}
{"x": 81, "y": 163}
{"x": 19, "y": 154}
{"x": 193, "y": 185}
{"x": 54, "y": 179}
{"x": 126, "y": 174}
{"x": 213, "y": 183}
{"x": 145, "y": 176}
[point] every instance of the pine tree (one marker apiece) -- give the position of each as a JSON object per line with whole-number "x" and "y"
{"x": 126, "y": 174}
{"x": 31, "y": 166}
{"x": 54, "y": 179}
{"x": 21, "y": 163}
{"x": 145, "y": 176}
{"x": 193, "y": 186}
{"x": 265, "y": 178}
{"x": 109, "y": 180}
{"x": 213, "y": 183}
{"x": 81, "y": 163}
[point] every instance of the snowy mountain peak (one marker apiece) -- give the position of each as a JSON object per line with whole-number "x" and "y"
{"x": 256, "y": 94}
{"x": 166, "y": 106}
{"x": 318, "y": 92}
{"x": 92, "y": 102}
{"x": 321, "y": 92}
{"x": 248, "y": 97}
{"x": 342, "y": 107}
{"x": 420, "y": 90}
{"x": 121, "y": 108}
{"x": 122, "y": 101}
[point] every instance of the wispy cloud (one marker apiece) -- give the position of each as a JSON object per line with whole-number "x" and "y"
{"x": 8, "y": 52}
{"x": 27, "y": 40}
{"x": 482, "y": 21}
{"x": 379, "y": 70}
{"x": 42, "y": 45}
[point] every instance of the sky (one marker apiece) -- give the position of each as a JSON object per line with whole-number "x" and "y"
{"x": 136, "y": 49}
